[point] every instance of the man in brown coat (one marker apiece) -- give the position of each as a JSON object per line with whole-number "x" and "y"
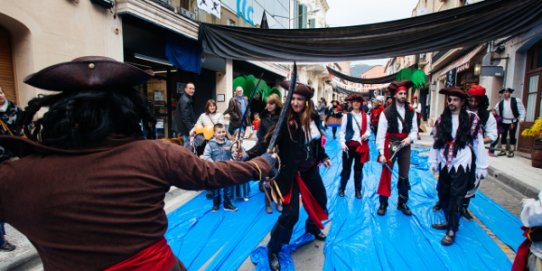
{"x": 89, "y": 191}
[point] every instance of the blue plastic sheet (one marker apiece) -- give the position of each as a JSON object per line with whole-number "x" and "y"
{"x": 361, "y": 240}
{"x": 499, "y": 220}
{"x": 358, "y": 239}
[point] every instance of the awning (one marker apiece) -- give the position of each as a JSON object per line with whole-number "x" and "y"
{"x": 466, "y": 26}
{"x": 462, "y": 63}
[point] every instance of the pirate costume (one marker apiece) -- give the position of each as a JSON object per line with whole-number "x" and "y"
{"x": 353, "y": 127}
{"x": 300, "y": 152}
{"x": 100, "y": 205}
{"x": 488, "y": 124}
{"x": 512, "y": 112}
{"x": 396, "y": 123}
{"x": 457, "y": 153}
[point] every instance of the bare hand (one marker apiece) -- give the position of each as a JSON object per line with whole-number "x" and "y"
{"x": 344, "y": 147}
{"x": 327, "y": 163}
{"x": 383, "y": 159}
{"x": 364, "y": 137}
{"x": 406, "y": 141}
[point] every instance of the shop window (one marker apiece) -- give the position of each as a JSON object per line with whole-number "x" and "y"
{"x": 531, "y": 98}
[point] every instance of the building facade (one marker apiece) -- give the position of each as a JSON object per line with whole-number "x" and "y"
{"x": 157, "y": 35}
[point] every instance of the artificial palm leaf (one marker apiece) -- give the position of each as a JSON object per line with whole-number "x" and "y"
{"x": 418, "y": 78}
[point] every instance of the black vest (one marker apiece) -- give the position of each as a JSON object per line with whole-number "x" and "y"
{"x": 513, "y": 105}
{"x": 393, "y": 123}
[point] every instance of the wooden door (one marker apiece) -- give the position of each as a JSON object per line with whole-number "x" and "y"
{"x": 7, "y": 80}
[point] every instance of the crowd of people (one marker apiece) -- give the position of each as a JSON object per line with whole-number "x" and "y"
{"x": 69, "y": 142}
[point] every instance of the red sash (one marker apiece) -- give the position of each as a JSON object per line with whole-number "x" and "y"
{"x": 314, "y": 210}
{"x": 360, "y": 148}
{"x": 384, "y": 186}
{"x": 157, "y": 256}
{"x": 522, "y": 256}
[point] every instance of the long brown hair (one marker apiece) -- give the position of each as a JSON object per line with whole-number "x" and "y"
{"x": 305, "y": 119}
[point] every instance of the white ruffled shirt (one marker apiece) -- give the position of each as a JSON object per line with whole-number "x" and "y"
{"x": 490, "y": 128}
{"x": 383, "y": 128}
{"x": 314, "y": 132}
{"x": 464, "y": 156}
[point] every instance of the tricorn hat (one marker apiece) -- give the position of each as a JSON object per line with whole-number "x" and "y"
{"x": 454, "y": 91}
{"x": 397, "y": 86}
{"x": 476, "y": 90}
{"x": 354, "y": 97}
{"x": 300, "y": 89}
{"x": 511, "y": 90}
{"x": 88, "y": 73}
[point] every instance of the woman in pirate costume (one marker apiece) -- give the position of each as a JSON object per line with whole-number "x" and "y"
{"x": 355, "y": 130}
{"x": 300, "y": 150}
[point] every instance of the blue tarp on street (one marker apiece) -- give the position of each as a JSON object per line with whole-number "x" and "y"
{"x": 358, "y": 239}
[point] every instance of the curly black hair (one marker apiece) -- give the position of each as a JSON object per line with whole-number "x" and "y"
{"x": 76, "y": 119}
{"x": 444, "y": 130}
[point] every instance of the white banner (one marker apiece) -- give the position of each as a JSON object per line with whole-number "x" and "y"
{"x": 210, "y": 6}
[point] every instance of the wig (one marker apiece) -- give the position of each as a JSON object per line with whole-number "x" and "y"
{"x": 76, "y": 119}
{"x": 444, "y": 130}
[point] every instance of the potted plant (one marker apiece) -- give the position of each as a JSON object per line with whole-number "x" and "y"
{"x": 536, "y": 131}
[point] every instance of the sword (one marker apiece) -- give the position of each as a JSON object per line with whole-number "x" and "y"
{"x": 391, "y": 160}
{"x": 278, "y": 127}
{"x": 283, "y": 111}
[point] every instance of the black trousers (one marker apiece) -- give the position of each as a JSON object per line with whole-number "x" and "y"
{"x": 350, "y": 156}
{"x": 508, "y": 131}
{"x": 282, "y": 231}
{"x": 452, "y": 187}
{"x": 334, "y": 131}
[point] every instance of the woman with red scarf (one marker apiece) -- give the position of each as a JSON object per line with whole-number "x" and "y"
{"x": 300, "y": 150}
{"x": 355, "y": 130}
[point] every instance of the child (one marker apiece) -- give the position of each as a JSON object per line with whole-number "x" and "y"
{"x": 219, "y": 149}
{"x": 256, "y": 122}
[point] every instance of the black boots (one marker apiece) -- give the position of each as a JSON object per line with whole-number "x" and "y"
{"x": 437, "y": 207}
{"x": 383, "y": 205}
{"x": 314, "y": 230}
{"x": 404, "y": 209}
{"x": 341, "y": 193}
{"x": 448, "y": 239}
{"x": 274, "y": 262}
{"x": 358, "y": 194}
{"x": 440, "y": 226}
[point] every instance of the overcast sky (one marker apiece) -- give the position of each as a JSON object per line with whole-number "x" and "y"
{"x": 356, "y": 12}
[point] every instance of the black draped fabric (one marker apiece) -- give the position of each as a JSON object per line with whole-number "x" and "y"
{"x": 369, "y": 81}
{"x": 464, "y": 26}
{"x": 344, "y": 91}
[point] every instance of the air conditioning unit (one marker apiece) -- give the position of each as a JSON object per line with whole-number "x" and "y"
{"x": 104, "y": 3}
{"x": 188, "y": 13}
